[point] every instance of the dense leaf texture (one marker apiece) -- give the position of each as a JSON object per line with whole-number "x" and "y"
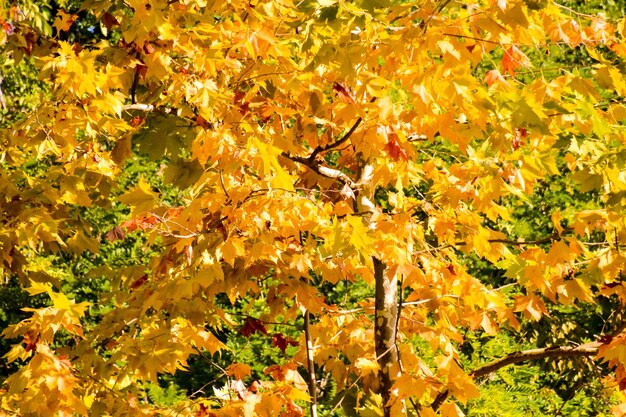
{"x": 248, "y": 157}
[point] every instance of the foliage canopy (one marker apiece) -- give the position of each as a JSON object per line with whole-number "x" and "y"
{"x": 347, "y": 207}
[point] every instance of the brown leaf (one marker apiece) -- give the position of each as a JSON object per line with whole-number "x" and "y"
{"x": 142, "y": 70}
{"x": 117, "y": 233}
{"x": 109, "y": 20}
{"x": 238, "y": 100}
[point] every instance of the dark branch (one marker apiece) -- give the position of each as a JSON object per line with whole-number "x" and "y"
{"x": 319, "y": 149}
{"x": 588, "y": 349}
{"x": 522, "y": 242}
{"x": 546, "y": 239}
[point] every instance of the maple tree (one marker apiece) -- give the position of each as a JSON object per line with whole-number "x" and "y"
{"x": 221, "y": 168}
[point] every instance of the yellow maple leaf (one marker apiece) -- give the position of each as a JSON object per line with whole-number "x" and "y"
{"x": 359, "y": 237}
{"x": 140, "y": 198}
{"x": 231, "y": 249}
{"x": 367, "y": 366}
{"x": 38, "y": 288}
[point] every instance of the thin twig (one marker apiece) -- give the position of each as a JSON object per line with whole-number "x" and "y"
{"x": 222, "y": 184}
{"x": 310, "y": 363}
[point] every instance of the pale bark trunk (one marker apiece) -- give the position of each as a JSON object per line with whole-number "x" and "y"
{"x": 386, "y": 318}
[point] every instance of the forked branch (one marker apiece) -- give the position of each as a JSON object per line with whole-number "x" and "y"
{"x": 319, "y": 149}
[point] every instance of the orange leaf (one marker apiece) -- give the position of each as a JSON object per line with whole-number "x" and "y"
{"x": 492, "y": 76}
{"x": 238, "y": 370}
{"x": 513, "y": 59}
{"x": 64, "y": 21}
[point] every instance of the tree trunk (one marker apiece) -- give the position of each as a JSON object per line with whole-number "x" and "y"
{"x": 386, "y": 318}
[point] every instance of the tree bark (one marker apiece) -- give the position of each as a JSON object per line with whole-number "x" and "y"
{"x": 386, "y": 318}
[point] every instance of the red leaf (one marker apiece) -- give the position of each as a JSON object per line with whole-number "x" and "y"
{"x": 130, "y": 225}
{"x": 174, "y": 211}
{"x": 520, "y": 134}
{"x": 141, "y": 223}
{"x": 200, "y": 121}
{"x": 254, "y": 387}
{"x": 148, "y": 48}
{"x": 606, "y": 339}
{"x": 244, "y": 107}
{"x": 394, "y": 149}
{"x": 139, "y": 282}
{"x": 136, "y": 121}
{"x": 252, "y": 326}
{"x": 281, "y": 342}
{"x": 343, "y": 93}
{"x": 30, "y": 341}
{"x": 8, "y": 28}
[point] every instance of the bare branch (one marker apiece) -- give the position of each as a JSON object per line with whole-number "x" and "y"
{"x": 416, "y": 138}
{"x": 139, "y": 106}
{"x": 588, "y": 349}
{"x": 322, "y": 170}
